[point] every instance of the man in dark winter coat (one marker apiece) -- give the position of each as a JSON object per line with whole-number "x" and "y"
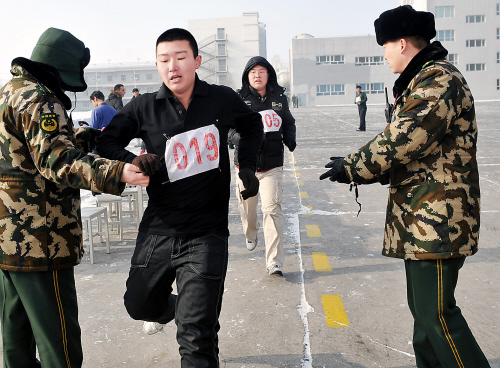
{"x": 429, "y": 150}
{"x": 260, "y": 91}
{"x": 115, "y": 97}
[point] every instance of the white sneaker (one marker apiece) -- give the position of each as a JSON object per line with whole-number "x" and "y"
{"x": 275, "y": 270}
{"x": 252, "y": 244}
{"x": 152, "y": 327}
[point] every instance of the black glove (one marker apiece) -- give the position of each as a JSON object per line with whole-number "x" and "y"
{"x": 292, "y": 146}
{"x": 250, "y": 182}
{"x": 94, "y": 134}
{"x": 148, "y": 163}
{"x": 337, "y": 171}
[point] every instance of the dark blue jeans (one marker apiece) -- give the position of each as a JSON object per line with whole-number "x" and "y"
{"x": 198, "y": 265}
{"x": 362, "y": 115}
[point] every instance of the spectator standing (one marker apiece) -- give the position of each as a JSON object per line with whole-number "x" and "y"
{"x": 102, "y": 114}
{"x": 115, "y": 97}
{"x": 360, "y": 100}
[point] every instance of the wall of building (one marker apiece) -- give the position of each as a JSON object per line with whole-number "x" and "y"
{"x": 307, "y": 73}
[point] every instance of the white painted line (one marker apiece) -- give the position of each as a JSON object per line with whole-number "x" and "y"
{"x": 303, "y": 307}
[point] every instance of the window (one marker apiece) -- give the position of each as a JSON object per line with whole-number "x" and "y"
{"x": 123, "y": 78}
{"x": 475, "y": 19}
{"x": 329, "y": 59}
{"x": 498, "y": 33}
{"x": 453, "y": 58}
{"x": 330, "y": 90}
{"x": 446, "y": 35}
{"x": 498, "y": 11}
{"x": 149, "y": 76}
{"x": 222, "y": 65}
{"x": 476, "y": 67}
{"x": 221, "y": 33}
{"x": 445, "y": 12}
{"x": 110, "y": 78}
{"x": 498, "y": 57}
{"x": 498, "y": 82}
{"x": 475, "y": 43}
{"x": 369, "y": 60}
{"x": 221, "y": 49}
{"x": 222, "y": 79}
{"x": 408, "y": 2}
{"x": 372, "y": 88}
{"x": 135, "y": 77}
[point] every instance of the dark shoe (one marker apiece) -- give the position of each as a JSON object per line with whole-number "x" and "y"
{"x": 360, "y": 130}
{"x": 275, "y": 270}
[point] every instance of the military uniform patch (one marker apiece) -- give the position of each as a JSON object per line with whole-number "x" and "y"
{"x": 277, "y": 106}
{"x": 49, "y": 122}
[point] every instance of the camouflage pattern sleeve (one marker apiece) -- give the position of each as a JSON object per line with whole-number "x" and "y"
{"x": 420, "y": 123}
{"x": 50, "y": 141}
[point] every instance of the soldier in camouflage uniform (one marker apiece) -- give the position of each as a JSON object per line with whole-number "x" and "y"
{"x": 44, "y": 163}
{"x": 429, "y": 150}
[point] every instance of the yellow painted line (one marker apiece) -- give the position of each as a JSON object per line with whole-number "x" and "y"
{"x": 301, "y": 183}
{"x": 313, "y": 231}
{"x": 303, "y": 195}
{"x": 297, "y": 175}
{"x": 334, "y": 311}
{"x": 321, "y": 262}
{"x": 295, "y": 167}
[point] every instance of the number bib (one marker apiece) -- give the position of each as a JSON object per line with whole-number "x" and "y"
{"x": 271, "y": 121}
{"x": 192, "y": 152}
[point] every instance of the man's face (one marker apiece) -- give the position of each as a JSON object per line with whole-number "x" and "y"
{"x": 94, "y": 102}
{"x": 136, "y": 93}
{"x": 257, "y": 77}
{"x": 358, "y": 90}
{"x": 394, "y": 57}
{"x": 177, "y": 66}
{"x": 121, "y": 91}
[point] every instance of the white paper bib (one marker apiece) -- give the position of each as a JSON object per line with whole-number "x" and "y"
{"x": 193, "y": 152}
{"x": 271, "y": 121}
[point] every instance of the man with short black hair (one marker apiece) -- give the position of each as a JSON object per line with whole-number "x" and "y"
{"x": 135, "y": 93}
{"x": 183, "y": 233}
{"x": 115, "y": 97}
{"x": 429, "y": 150}
{"x": 102, "y": 114}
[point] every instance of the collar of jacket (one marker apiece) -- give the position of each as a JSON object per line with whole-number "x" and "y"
{"x": 200, "y": 89}
{"x": 432, "y": 52}
{"x": 43, "y": 74}
{"x": 253, "y": 91}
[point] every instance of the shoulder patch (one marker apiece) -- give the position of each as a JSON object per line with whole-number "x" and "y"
{"x": 277, "y": 106}
{"x": 49, "y": 122}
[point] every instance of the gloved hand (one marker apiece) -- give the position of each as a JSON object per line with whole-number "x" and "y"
{"x": 250, "y": 182}
{"x": 292, "y": 146}
{"x": 94, "y": 134}
{"x": 148, "y": 163}
{"x": 337, "y": 171}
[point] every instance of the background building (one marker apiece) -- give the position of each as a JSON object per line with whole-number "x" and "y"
{"x": 325, "y": 71}
{"x": 226, "y": 44}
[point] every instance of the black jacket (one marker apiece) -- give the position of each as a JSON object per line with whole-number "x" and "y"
{"x": 115, "y": 100}
{"x": 271, "y": 149}
{"x": 199, "y": 204}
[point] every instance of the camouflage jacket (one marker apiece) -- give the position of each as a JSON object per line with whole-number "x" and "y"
{"x": 429, "y": 149}
{"x": 41, "y": 172}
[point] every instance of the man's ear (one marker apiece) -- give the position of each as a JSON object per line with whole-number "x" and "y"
{"x": 198, "y": 61}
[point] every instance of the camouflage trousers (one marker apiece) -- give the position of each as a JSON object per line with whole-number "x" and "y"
{"x": 441, "y": 336}
{"x": 41, "y": 307}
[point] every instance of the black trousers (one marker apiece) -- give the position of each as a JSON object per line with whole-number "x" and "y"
{"x": 441, "y": 336}
{"x": 362, "y": 115}
{"x": 198, "y": 265}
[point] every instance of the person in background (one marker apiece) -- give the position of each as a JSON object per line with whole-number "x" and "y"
{"x": 44, "y": 164}
{"x": 360, "y": 100}
{"x": 184, "y": 231}
{"x": 260, "y": 91}
{"x": 102, "y": 114}
{"x": 115, "y": 97}
{"x": 135, "y": 94}
{"x": 429, "y": 150}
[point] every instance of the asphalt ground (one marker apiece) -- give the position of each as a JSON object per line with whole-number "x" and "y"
{"x": 340, "y": 302}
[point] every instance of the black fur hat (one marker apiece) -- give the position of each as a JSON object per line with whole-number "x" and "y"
{"x": 404, "y": 21}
